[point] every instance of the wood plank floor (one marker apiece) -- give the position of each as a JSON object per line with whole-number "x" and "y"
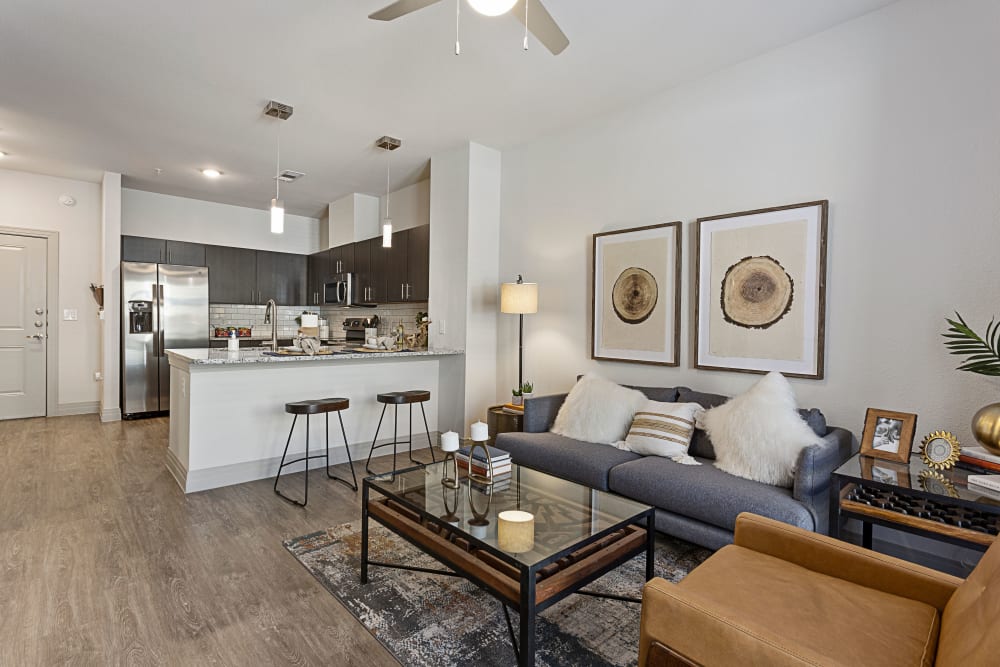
{"x": 104, "y": 561}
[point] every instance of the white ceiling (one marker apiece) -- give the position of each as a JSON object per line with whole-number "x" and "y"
{"x": 119, "y": 85}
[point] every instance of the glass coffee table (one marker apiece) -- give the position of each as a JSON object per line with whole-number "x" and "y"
{"x": 580, "y": 534}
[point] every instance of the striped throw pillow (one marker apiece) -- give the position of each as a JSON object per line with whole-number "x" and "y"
{"x": 663, "y": 429}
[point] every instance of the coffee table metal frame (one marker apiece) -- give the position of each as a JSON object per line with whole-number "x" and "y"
{"x": 527, "y": 607}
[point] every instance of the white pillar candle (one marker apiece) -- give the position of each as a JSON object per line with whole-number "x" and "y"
{"x": 480, "y": 432}
{"x": 516, "y": 531}
{"x": 449, "y": 441}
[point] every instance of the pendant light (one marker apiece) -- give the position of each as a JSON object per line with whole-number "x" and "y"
{"x": 277, "y": 206}
{"x": 281, "y": 112}
{"x": 388, "y": 144}
{"x": 492, "y": 7}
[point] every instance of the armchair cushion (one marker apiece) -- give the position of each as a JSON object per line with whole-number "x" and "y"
{"x": 968, "y": 625}
{"x": 758, "y": 609}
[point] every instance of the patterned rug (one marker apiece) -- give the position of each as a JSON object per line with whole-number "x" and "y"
{"x": 437, "y": 620}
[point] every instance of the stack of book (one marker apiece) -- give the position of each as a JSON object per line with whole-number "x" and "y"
{"x": 512, "y": 409}
{"x": 478, "y": 464}
{"x": 977, "y": 459}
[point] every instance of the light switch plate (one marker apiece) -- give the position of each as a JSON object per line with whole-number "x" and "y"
{"x": 70, "y": 314}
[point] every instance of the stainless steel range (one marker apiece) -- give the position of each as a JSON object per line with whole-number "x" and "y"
{"x": 354, "y": 328}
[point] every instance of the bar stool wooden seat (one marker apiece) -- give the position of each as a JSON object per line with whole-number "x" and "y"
{"x": 396, "y": 399}
{"x": 322, "y": 406}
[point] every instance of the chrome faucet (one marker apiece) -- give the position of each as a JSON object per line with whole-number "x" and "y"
{"x": 271, "y": 317}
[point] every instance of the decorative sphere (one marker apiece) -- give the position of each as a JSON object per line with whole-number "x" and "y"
{"x": 986, "y": 427}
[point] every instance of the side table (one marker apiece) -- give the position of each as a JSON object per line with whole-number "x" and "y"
{"x": 910, "y": 497}
{"x": 499, "y": 421}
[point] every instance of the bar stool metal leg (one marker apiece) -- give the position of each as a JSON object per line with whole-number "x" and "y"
{"x": 374, "y": 440}
{"x": 283, "y": 464}
{"x": 353, "y": 485}
{"x": 430, "y": 445}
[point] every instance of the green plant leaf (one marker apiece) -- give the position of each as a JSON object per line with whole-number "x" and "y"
{"x": 982, "y": 353}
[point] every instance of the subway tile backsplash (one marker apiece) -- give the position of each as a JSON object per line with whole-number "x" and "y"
{"x": 241, "y": 315}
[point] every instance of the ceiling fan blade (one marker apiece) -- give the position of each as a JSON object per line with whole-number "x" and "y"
{"x": 542, "y": 25}
{"x": 400, "y": 8}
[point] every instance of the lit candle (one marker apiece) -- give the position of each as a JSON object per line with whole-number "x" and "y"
{"x": 480, "y": 432}
{"x": 516, "y": 531}
{"x": 449, "y": 441}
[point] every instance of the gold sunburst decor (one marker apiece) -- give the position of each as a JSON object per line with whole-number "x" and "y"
{"x": 940, "y": 450}
{"x": 934, "y": 482}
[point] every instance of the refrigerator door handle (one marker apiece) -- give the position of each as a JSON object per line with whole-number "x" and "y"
{"x": 163, "y": 351}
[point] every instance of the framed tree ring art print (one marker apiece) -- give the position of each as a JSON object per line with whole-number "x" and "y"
{"x": 760, "y": 291}
{"x": 637, "y": 295}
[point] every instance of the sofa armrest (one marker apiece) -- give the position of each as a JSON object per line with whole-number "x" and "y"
{"x": 705, "y": 634}
{"x": 817, "y": 462}
{"x": 843, "y": 560}
{"x": 540, "y": 412}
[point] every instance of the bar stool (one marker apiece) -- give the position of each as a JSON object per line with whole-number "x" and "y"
{"x": 322, "y": 406}
{"x": 397, "y": 398}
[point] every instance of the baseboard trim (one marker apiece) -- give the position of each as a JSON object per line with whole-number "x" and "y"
{"x": 176, "y": 468}
{"x": 81, "y": 408}
{"x": 111, "y": 415}
{"x": 193, "y": 481}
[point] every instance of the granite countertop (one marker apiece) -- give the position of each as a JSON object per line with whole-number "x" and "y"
{"x": 222, "y": 357}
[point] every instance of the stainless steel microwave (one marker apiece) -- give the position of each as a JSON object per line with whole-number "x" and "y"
{"x": 340, "y": 291}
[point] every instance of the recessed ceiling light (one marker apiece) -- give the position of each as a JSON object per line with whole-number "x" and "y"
{"x": 211, "y": 173}
{"x": 2, "y": 154}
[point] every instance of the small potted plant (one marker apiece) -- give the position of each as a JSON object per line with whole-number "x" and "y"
{"x": 516, "y": 397}
{"x": 527, "y": 390}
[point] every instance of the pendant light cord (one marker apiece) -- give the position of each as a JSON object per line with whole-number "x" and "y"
{"x": 458, "y": 15}
{"x": 388, "y": 165}
{"x": 277, "y": 166}
{"x": 526, "y": 24}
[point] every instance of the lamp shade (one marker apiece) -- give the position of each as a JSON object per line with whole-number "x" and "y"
{"x": 519, "y": 298}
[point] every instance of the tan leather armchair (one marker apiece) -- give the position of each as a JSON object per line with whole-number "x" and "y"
{"x": 781, "y": 595}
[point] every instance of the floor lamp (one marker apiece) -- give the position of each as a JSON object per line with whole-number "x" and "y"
{"x": 519, "y": 298}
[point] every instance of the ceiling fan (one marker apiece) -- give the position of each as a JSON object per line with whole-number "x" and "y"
{"x": 537, "y": 19}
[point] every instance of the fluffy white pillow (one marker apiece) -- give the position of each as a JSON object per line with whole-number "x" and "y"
{"x": 758, "y": 435}
{"x": 597, "y": 410}
{"x": 664, "y": 429}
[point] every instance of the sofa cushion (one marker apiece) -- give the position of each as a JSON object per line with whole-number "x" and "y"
{"x": 704, "y": 492}
{"x": 586, "y": 463}
{"x": 811, "y": 614}
{"x": 597, "y": 410}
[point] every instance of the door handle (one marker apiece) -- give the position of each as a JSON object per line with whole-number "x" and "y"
{"x": 407, "y": 291}
{"x": 402, "y": 292}
{"x": 37, "y": 337}
{"x": 163, "y": 352}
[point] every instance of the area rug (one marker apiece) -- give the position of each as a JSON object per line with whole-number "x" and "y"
{"x": 437, "y": 620}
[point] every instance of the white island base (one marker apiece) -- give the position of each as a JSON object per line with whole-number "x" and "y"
{"x": 228, "y": 423}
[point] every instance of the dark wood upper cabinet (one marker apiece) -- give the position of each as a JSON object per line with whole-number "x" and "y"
{"x": 396, "y": 270}
{"x": 185, "y": 254}
{"x": 141, "y": 249}
{"x": 418, "y": 263}
{"x": 342, "y": 258}
{"x": 369, "y": 267}
{"x": 281, "y": 276}
{"x": 232, "y": 274}
{"x": 318, "y": 269}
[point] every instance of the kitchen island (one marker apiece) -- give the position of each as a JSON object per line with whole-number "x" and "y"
{"x": 227, "y": 409}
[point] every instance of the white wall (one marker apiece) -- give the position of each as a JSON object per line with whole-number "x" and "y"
{"x": 111, "y": 278}
{"x": 179, "y": 218}
{"x": 30, "y": 201}
{"x": 409, "y": 206}
{"x": 893, "y": 117}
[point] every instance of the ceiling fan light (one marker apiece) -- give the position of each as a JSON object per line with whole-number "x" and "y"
{"x": 277, "y": 216}
{"x": 492, "y": 7}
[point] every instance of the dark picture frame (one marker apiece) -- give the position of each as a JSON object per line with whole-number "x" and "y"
{"x": 807, "y": 294}
{"x": 649, "y": 319}
{"x": 888, "y": 434}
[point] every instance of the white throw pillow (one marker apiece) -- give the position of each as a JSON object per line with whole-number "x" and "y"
{"x": 758, "y": 435}
{"x": 597, "y": 410}
{"x": 664, "y": 429}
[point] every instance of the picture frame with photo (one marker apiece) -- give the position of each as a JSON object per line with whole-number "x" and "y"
{"x": 888, "y": 434}
{"x": 636, "y": 295}
{"x": 888, "y": 473}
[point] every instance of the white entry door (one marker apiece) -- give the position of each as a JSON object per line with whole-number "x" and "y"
{"x": 23, "y": 326}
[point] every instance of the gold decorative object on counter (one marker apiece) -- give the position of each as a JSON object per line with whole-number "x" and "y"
{"x": 986, "y": 427}
{"x": 940, "y": 450}
{"x": 932, "y": 481}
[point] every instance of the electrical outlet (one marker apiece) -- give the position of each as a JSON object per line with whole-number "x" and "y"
{"x": 70, "y": 315}
{"x": 441, "y": 327}
{"x": 98, "y": 376}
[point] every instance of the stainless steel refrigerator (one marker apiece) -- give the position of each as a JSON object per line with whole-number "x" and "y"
{"x": 163, "y": 307}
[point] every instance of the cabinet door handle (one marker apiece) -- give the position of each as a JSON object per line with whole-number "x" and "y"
{"x": 402, "y": 292}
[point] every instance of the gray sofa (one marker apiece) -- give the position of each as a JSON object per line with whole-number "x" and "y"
{"x": 695, "y": 503}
